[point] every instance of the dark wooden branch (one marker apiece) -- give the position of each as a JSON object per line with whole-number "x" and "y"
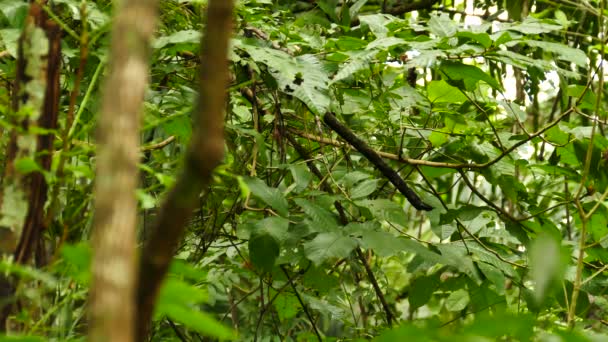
{"x": 407, "y": 6}
{"x": 375, "y": 159}
{"x": 205, "y": 152}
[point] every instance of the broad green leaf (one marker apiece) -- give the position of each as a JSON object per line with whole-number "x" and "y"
{"x": 466, "y": 76}
{"x": 364, "y": 189}
{"x": 274, "y": 226}
{"x": 328, "y": 247}
{"x": 377, "y": 23}
{"x": 26, "y": 165}
{"x": 178, "y": 292}
{"x": 457, "y": 300}
{"x": 271, "y": 196}
{"x": 547, "y": 265}
{"x": 481, "y": 38}
{"x": 198, "y": 321}
{"x": 442, "y": 26}
{"x": 441, "y": 91}
{"x": 301, "y": 175}
{"x": 532, "y": 26}
{"x": 356, "y": 7}
{"x": 264, "y": 250}
{"x": 323, "y": 219}
{"x": 303, "y": 76}
{"x": 562, "y": 51}
{"x": 9, "y": 39}
{"x": 421, "y": 290}
{"x": 287, "y": 306}
{"x": 180, "y": 37}
{"x": 359, "y": 61}
{"x": 385, "y": 43}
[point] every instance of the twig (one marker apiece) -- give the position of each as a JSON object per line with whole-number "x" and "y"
{"x": 375, "y": 159}
{"x": 304, "y": 306}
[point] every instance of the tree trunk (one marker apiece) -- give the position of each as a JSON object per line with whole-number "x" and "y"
{"x": 112, "y": 311}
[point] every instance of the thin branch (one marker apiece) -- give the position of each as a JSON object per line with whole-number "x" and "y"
{"x": 375, "y": 159}
{"x": 441, "y": 164}
{"x": 302, "y": 304}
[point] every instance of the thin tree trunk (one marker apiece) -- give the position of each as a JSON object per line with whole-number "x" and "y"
{"x": 204, "y": 154}
{"x": 112, "y": 308}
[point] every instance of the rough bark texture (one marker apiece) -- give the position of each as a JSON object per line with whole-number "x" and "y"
{"x": 204, "y": 154}
{"x": 112, "y": 307}
{"x": 23, "y": 195}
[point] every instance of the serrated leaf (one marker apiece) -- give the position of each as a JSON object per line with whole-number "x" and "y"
{"x": 359, "y": 60}
{"x": 532, "y": 26}
{"x": 329, "y": 246}
{"x": 385, "y": 43}
{"x": 442, "y": 26}
{"x": 303, "y": 76}
{"x": 377, "y": 23}
{"x": 301, "y": 175}
{"x": 562, "y": 51}
{"x": 322, "y": 218}
{"x": 271, "y": 196}
{"x": 276, "y": 227}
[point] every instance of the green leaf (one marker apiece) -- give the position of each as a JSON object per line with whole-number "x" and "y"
{"x": 198, "y": 321}
{"x": 329, "y": 246}
{"x": 274, "y": 226}
{"x": 547, "y": 265}
{"x": 9, "y": 39}
{"x": 271, "y": 196}
{"x": 421, "y": 290}
{"x": 457, "y": 300}
{"x": 441, "y": 91}
{"x": 442, "y": 26}
{"x": 532, "y": 26}
{"x": 364, "y": 189}
{"x": 264, "y": 250}
{"x": 179, "y": 292}
{"x": 562, "y": 51}
{"x": 287, "y": 306}
{"x": 179, "y": 37}
{"x": 323, "y": 219}
{"x": 303, "y": 76}
{"x": 26, "y": 165}
{"x": 359, "y": 60}
{"x": 482, "y": 37}
{"x": 466, "y": 76}
{"x": 377, "y": 23}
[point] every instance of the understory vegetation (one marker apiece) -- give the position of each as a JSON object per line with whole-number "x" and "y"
{"x": 429, "y": 170}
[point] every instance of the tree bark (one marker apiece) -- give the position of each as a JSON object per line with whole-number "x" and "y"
{"x": 205, "y": 152}
{"x": 112, "y": 307}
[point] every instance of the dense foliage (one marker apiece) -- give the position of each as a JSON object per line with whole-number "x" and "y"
{"x": 492, "y": 112}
